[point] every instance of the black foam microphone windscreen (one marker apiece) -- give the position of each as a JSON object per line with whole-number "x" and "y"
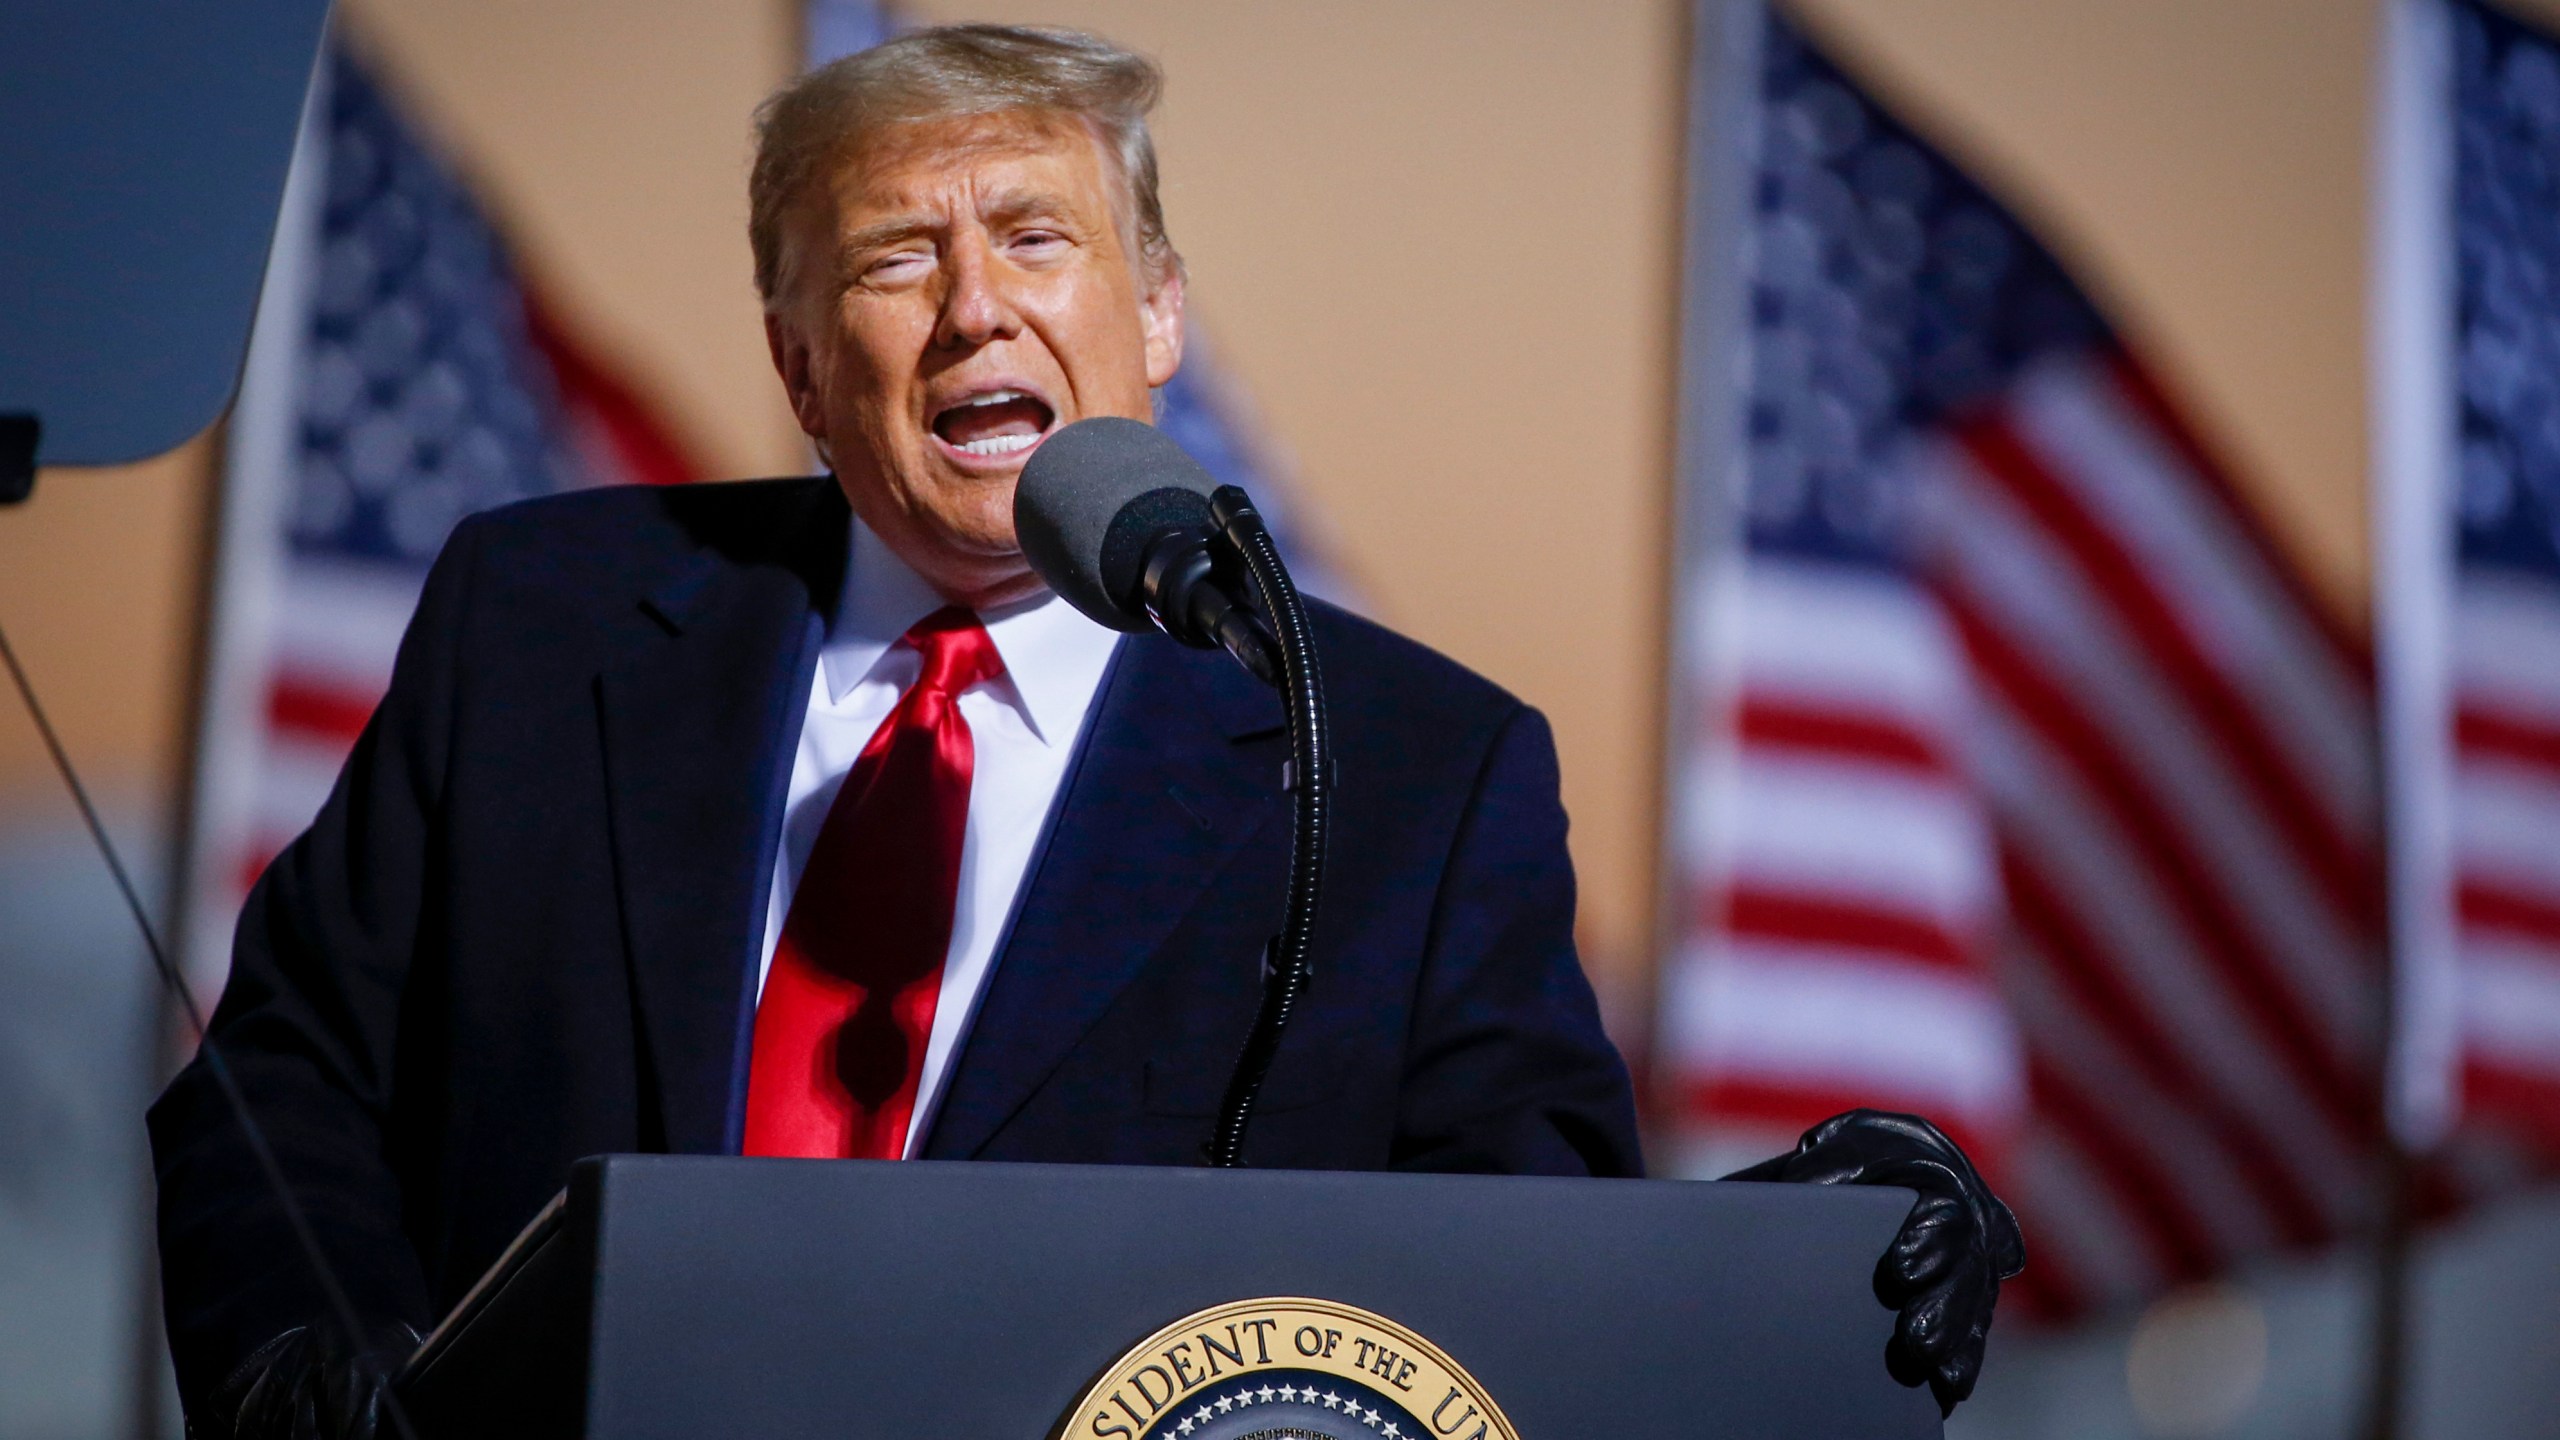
{"x": 1091, "y": 499}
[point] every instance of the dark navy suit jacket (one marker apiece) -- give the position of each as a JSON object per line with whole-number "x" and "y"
{"x": 524, "y": 927}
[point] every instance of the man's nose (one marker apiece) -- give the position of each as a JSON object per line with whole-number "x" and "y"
{"x": 976, "y": 308}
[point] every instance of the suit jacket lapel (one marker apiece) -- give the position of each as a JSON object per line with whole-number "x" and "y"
{"x": 698, "y": 734}
{"x": 1152, "y": 809}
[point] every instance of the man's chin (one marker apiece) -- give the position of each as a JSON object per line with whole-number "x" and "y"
{"x": 969, "y": 554}
{"x": 954, "y": 528}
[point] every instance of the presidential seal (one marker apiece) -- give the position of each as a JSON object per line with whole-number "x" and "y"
{"x": 1285, "y": 1369}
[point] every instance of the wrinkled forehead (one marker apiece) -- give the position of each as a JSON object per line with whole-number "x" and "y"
{"x": 922, "y": 165}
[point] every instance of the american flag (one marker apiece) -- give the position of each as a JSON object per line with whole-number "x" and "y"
{"x": 401, "y": 376}
{"x": 2489, "y": 741}
{"x": 2025, "y": 785}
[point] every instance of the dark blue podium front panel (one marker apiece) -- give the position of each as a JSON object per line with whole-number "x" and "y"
{"x": 786, "y": 1299}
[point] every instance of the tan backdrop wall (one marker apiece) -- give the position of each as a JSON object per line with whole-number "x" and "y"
{"x": 1433, "y": 241}
{"x": 2201, "y": 164}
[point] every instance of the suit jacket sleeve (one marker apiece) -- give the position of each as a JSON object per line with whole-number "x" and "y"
{"x": 1508, "y": 1069}
{"x": 309, "y": 1024}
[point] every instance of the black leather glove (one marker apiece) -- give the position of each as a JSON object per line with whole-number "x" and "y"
{"x": 305, "y": 1384}
{"x": 1943, "y": 1271}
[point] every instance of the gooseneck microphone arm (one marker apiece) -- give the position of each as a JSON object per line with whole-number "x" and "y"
{"x": 1288, "y": 966}
{"x": 1131, "y": 531}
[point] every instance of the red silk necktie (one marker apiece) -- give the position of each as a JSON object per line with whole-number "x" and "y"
{"x": 848, "y": 1003}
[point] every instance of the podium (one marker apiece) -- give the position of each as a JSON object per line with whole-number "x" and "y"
{"x": 675, "y": 1296}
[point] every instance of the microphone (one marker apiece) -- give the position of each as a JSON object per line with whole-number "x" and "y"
{"x": 1118, "y": 520}
{"x": 1136, "y": 535}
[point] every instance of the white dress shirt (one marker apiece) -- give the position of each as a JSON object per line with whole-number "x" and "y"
{"x": 1023, "y": 725}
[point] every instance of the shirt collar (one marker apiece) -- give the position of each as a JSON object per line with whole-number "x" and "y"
{"x": 1053, "y": 656}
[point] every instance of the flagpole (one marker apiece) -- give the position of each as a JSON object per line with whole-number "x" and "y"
{"x": 1720, "y": 52}
{"x": 1667, "y": 888}
{"x": 2413, "y": 447}
{"x": 2386, "y": 1400}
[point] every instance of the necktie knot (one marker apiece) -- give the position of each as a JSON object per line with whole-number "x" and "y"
{"x": 957, "y": 651}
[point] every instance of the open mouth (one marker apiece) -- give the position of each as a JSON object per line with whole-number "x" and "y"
{"x": 994, "y": 424}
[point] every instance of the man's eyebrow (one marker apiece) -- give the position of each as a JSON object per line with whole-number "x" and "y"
{"x": 1016, "y": 203}
{"x": 883, "y": 232}
{"x": 1003, "y": 205}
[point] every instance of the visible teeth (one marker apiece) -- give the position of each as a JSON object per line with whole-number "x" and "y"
{"x": 992, "y": 397}
{"x": 1001, "y": 444}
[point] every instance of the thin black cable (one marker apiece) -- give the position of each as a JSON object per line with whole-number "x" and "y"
{"x": 343, "y": 1311}
{"x": 1290, "y": 958}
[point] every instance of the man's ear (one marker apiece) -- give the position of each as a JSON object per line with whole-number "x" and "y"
{"x": 1160, "y": 317}
{"x": 791, "y": 361}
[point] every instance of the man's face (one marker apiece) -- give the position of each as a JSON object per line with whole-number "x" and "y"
{"x": 961, "y": 290}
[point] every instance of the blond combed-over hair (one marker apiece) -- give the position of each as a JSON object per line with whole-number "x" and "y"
{"x": 808, "y": 127}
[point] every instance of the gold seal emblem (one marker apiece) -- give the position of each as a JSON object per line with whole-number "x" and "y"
{"x": 1285, "y": 1369}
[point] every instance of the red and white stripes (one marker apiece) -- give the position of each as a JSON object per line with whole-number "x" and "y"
{"x": 2177, "y": 751}
{"x": 2506, "y": 864}
{"x": 2070, "y": 841}
{"x": 1847, "y": 874}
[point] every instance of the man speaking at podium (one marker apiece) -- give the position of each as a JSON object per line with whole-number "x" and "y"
{"x": 799, "y": 818}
